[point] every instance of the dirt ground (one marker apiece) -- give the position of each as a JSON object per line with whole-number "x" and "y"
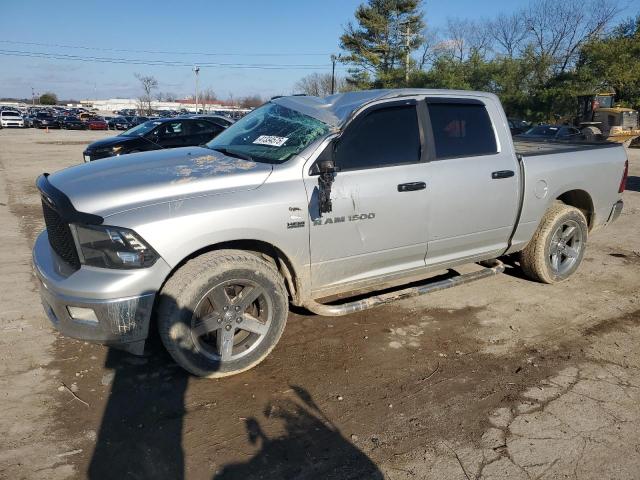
{"x": 499, "y": 379}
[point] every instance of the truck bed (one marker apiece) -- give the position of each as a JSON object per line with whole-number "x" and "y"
{"x": 530, "y": 147}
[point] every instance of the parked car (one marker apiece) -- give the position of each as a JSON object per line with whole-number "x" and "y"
{"x": 517, "y": 126}
{"x": 72, "y": 123}
{"x": 119, "y": 123}
{"x": 218, "y": 119}
{"x": 45, "y": 120}
{"x": 304, "y": 199}
{"x": 11, "y": 118}
{"x": 97, "y": 124}
{"x": 137, "y": 120}
{"x": 552, "y": 132}
{"x": 154, "y": 135}
{"x": 28, "y": 121}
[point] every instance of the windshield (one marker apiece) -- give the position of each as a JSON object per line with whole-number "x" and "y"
{"x": 545, "y": 131}
{"x": 604, "y": 101}
{"x": 6, "y": 113}
{"x": 271, "y": 133}
{"x": 140, "y": 130}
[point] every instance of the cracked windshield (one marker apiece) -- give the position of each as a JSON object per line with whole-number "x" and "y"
{"x": 271, "y": 133}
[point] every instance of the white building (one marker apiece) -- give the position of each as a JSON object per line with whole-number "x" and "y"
{"x": 113, "y": 104}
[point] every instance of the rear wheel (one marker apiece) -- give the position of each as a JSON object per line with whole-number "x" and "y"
{"x": 222, "y": 313}
{"x": 557, "y": 248}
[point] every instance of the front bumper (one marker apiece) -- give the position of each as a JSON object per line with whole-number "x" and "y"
{"x": 91, "y": 155}
{"x": 121, "y": 300}
{"x": 12, "y": 123}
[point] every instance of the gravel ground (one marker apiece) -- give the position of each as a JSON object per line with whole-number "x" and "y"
{"x": 500, "y": 379}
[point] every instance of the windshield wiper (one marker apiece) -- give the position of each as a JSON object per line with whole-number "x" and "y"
{"x": 233, "y": 153}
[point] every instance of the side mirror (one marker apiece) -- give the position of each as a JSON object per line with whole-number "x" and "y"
{"x": 327, "y": 169}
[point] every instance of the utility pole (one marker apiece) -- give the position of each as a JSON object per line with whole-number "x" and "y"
{"x": 196, "y": 70}
{"x": 33, "y": 97}
{"x": 406, "y": 54}
{"x": 334, "y": 59}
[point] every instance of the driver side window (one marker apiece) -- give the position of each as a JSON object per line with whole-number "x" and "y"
{"x": 170, "y": 129}
{"x": 384, "y": 137}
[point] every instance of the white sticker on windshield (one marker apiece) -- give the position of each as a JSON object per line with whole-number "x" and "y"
{"x": 271, "y": 140}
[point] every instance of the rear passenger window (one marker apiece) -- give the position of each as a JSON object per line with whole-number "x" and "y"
{"x": 461, "y": 130}
{"x": 384, "y": 137}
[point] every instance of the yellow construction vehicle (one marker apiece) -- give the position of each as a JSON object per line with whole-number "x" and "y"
{"x": 600, "y": 118}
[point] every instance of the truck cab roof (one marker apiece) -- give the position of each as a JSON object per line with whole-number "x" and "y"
{"x": 336, "y": 110}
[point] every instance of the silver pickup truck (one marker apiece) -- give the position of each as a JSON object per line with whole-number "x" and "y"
{"x": 306, "y": 201}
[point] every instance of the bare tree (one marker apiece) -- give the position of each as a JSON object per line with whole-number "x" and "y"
{"x": 251, "y": 101}
{"x": 149, "y": 84}
{"x": 509, "y": 32}
{"x": 207, "y": 97}
{"x": 319, "y": 84}
{"x": 467, "y": 37}
{"x": 429, "y": 51}
{"x": 558, "y": 29}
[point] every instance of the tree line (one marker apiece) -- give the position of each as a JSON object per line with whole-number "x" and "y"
{"x": 536, "y": 59}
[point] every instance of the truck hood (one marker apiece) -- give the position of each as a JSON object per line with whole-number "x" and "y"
{"x": 116, "y": 184}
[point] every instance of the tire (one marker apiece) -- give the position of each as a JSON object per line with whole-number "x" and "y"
{"x": 206, "y": 323}
{"x": 591, "y": 134}
{"x": 557, "y": 247}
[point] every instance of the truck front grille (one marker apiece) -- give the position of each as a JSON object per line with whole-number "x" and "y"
{"x": 60, "y": 237}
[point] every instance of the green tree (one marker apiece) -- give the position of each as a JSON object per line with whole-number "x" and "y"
{"x": 613, "y": 61}
{"x": 376, "y": 47}
{"x": 48, "y": 98}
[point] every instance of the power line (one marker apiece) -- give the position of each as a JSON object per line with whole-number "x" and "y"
{"x": 163, "y": 63}
{"x": 161, "y": 52}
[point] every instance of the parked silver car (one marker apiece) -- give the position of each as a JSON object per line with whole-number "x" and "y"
{"x": 10, "y": 118}
{"x": 303, "y": 199}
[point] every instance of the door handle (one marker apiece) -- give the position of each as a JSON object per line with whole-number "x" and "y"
{"x": 502, "y": 174}
{"x": 411, "y": 186}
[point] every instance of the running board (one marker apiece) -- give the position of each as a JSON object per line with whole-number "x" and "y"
{"x": 492, "y": 267}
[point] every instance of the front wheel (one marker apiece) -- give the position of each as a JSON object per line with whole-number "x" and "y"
{"x": 222, "y": 313}
{"x": 557, "y": 247}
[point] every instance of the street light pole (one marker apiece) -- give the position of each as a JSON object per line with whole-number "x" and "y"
{"x": 407, "y": 47}
{"x": 196, "y": 70}
{"x": 334, "y": 59}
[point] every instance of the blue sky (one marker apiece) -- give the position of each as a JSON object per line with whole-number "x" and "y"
{"x": 243, "y": 31}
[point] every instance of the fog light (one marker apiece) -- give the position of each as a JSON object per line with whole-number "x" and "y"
{"x": 84, "y": 314}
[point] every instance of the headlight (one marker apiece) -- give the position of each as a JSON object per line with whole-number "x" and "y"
{"x": 113, "y": 247}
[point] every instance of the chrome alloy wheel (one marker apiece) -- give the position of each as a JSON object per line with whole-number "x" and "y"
{"x": 565, "y": 247}
{"x": 231, "y": 320}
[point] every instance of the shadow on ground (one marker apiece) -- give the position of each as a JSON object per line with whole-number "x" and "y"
{"x": 141, "y": 431}
{"x": 140, "y": 436}
{"x": 312, "y": 447}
